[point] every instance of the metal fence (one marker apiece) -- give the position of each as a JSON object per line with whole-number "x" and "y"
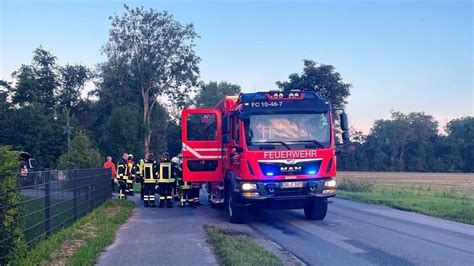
{"x": 52, "y": 200}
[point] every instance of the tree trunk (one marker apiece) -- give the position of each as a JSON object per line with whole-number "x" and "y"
{"x": 147, "y": 140}
{"x": 146, "y": 122}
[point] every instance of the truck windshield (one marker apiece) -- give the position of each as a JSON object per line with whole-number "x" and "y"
{"x": 288, "y": 128}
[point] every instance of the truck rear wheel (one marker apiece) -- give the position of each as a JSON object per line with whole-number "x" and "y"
{"x": 236, "y": 213}
{"x": 316, "y": 209}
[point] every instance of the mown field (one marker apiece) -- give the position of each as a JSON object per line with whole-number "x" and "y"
{"x": 460, "y": 182}
{"x": 447, "y": 196}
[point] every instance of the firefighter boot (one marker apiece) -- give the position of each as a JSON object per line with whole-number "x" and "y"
{"x": 169, "y": 202}
{"x": 146, "y": 204}
{"x": 153, "y": 205}
{"x": 161, "y": 203}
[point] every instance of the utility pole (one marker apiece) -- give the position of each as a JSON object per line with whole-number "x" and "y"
{"x": 68, "y": 131}
{"x": 67, "y": 128}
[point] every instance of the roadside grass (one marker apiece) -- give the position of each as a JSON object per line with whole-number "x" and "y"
{"x": 82, "y": 242}
{"x": 448, "y": 204}
{"x": 355, "y": 186}
{"x": 235, "y": 248}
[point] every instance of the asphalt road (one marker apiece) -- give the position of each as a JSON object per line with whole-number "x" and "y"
{"x": 352, "y": 234}
{"x": 364, "y": 234}
{"x": 154, "y": 236}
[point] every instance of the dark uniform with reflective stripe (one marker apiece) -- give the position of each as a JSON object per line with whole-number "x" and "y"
{"x": 185, "y": 195}
{"x": 149, "y": 173}
{"x": 122, "y": 169}
{"x": 131, "y": 174}
{"x": 165, "y": 183}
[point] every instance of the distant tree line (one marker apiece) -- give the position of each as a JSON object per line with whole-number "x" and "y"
{"x": 151, "y": 73}
{"x": 411, "y": 143}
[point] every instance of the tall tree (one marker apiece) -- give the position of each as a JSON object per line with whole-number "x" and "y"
{"x": 420, "y": 152}
{"x": 38, "y": 82}
{"x": 5, "y": 88}
{"x": 155, "y": 55}
{"x": 81, "y": 155}
{"x": 212, "y": 93}
{"x": 159, "y": 123}
{"x": 122, "y": 132}
{"x": 353, "y": 157}
{"x": 32, "y": 129}
{"x": 72, "y": 82}
{"x": 461, "y": 135}
{"x": 321, "y": 78}
{"x": 402, "y": 143}
{"x": 173, "y": 137}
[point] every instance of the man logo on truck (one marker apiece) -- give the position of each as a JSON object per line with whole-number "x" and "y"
{"x": 290, "y": 169}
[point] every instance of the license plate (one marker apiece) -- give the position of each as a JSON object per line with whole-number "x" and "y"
{"x": 291, "y": 184}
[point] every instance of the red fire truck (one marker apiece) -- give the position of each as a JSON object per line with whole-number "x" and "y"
{"x": 267, "y": 150}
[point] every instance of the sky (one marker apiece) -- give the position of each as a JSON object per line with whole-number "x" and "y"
{"x": 406, "y": 56}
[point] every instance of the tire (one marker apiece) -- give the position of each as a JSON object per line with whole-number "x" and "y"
{"x": 316, "y": 209}
{"x": 236, "y": 213}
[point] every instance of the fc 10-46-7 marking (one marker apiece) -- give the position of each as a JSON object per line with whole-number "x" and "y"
{"x": 266, "y": 104}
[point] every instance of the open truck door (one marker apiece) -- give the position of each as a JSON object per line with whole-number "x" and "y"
{"x": 202, "y": 145}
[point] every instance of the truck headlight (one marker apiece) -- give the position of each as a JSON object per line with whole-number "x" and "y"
{"x": 330, "y": 183}
{"x": 249, "y": 186}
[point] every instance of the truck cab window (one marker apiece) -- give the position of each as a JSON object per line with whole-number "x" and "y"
{"x": 288, "y": 128}
{"x": 201, "y": 127}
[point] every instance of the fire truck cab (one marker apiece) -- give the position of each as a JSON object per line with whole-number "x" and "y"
{"x": 266, "y": 150}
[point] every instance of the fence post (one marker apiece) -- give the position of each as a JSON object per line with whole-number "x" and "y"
{"x": 75, "y": 175}
{"x": 94, "y": 186}
{"x": 47, "y": 202}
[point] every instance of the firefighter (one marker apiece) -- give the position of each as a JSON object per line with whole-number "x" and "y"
{"x": 149, "y": 174}
{"x": 139, "y": 178}
{"x": 130, "y": 175}
{"x": 178, "y": 168}
{"x": 135, "y": 173}
{"x": 122, "y": 170}
{"x": 184, "y": 188}
{"x": 165, "y": 181}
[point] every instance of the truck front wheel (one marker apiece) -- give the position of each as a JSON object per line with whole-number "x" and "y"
{"x": 316, "y": 209}
{"x": 236, "y": 213}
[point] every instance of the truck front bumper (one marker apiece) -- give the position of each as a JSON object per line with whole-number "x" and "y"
{"x": 272, "y": 194}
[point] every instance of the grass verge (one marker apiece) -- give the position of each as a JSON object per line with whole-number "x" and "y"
{"x": 82, "y": 242}
{"x": 235, "y": 248}
{"x": 450, "y": 205}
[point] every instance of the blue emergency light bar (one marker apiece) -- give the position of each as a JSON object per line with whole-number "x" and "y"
{"x": 279, "y": 95}
{"x": 283, "y": 101}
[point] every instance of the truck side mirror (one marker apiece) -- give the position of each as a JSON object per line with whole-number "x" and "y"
{"x": 244, "y": 115}
{"x": 343, "y": 121}
{"x": 345, "y": 136}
